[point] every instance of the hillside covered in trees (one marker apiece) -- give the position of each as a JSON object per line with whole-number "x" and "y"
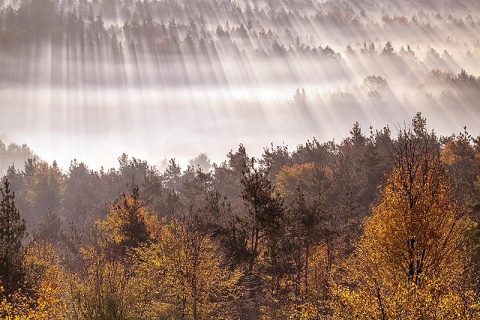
{"x": 370, "y": 215}
{"x": 379, "y": 226}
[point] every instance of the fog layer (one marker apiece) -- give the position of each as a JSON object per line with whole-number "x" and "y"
{"x": 157, "y": 79}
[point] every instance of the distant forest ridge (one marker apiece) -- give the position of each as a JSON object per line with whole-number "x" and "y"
{"x": 130, "y": 43}
{"x": 14, "y": 156}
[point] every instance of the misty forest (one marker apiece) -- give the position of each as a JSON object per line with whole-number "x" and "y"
{"x": 249, "y": 159}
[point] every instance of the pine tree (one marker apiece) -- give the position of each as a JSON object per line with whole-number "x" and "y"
{"x": 263, "y": 225}
{"x": 12, "y": 232}
{"x": 265, "y": 208}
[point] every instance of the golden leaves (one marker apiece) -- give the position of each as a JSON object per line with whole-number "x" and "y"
{"x": 46, "y": 300}
{"x": 410, "y": 263}
{"x": 186, "y": 274}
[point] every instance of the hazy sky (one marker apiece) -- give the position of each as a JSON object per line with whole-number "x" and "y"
{"x": 152, "y": 106}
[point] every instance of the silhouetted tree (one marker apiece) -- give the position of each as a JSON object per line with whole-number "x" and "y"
{"x": 12, "y": 232}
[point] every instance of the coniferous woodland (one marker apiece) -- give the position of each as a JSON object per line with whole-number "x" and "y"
{"x": 380, "y": 224}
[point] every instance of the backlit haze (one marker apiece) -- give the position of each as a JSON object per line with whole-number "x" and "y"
{"x": 159, "y": 79}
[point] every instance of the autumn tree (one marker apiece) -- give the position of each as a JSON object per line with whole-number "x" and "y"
{"x": 129, "y": 224}
{"x": 463, "y": 163}
{"x": 312, "y": 178}
{"x": 102, "y": 287}
{"x": 105, "y": 284}
{"x": 461, "y": 156}
{"x": 12, "y": 233}
{"x": 313, "y": 247}
{"x": 411, "y": 262}
{"x": 45, "y": 299}
{"x": 186, "y": 275}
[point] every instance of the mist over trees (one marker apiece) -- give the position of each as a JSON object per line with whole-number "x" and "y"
{"x": 87, "y": 69}
{"x": 378, "y": 225}
{"x": 128, "y": 43}
{"x": 374, "y": 216}
{"x": 11, "y": 154}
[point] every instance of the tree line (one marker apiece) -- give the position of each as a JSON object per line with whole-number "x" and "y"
{"x": 374, "y": 227}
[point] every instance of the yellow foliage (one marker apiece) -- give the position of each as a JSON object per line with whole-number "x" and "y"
{"x": 185, "y": 272}
{"x": 457, "y": 150}
{"x": 129, "y": 223}
{"x": 46, "y": 300}
{"x": 302, "y": 295}
{"x": 310, "y": 177}
{"x": 105, "y": 288}
{"x": 410, "y": 263}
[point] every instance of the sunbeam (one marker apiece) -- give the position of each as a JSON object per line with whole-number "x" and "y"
{"x": 170, "y": 78}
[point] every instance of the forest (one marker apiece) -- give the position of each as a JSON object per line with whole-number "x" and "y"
{"x": 379, "y": 226}
{"x": 120, "y": 199}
